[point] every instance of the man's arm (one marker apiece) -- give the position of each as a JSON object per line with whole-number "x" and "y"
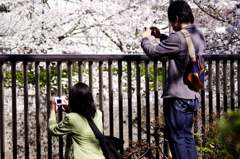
{"x": 170, "y": 46}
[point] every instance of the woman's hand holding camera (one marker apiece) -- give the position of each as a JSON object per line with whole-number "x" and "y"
{"x": 53, "y": 106}
{"x": 59, "y": 103}
{"x": 66, "y": 106}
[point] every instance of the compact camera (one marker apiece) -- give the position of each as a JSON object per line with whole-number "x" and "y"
{"x": 153, "y": 30}
{"x": 59, "y": 101}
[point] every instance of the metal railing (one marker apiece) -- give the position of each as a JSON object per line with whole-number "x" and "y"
{"x": 128, "y": 90}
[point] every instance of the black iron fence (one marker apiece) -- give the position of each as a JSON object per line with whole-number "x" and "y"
{"x": 126, "y": 87}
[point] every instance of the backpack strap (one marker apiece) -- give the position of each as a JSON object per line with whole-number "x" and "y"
{"x": 191, "y": 49}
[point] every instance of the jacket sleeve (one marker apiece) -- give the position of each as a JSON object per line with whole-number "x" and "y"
{"x": 163, "y": 37}
{"x": 62, "y": 128}
{"x": 170, "y": 46}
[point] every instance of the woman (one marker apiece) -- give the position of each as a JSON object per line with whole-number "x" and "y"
{"x": 81, "y": 141}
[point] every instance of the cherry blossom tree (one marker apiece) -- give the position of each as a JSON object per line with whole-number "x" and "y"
{"x": 82, "y": 26}
{"x": 104, "y": 27}
{"x": 223, "y": 13}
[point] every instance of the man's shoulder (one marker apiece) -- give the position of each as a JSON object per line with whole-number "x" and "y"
{"x": 175, "y": 37}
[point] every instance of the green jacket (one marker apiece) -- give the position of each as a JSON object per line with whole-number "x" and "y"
{"x": 81, "y": 141}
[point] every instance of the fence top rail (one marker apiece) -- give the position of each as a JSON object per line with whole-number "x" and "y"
{"x": 209, "y": 57}
{"x": 76, "y": 57}
{"x": 93, "y": 57}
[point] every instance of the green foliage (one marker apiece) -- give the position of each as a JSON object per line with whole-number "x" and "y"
{"x": 221, "y": 138}
{"x": 32, "y": 76}
{"x": 142, "y": 74}
{"x": 54, "y": 76}
{"x": 151, "y": 75}
{"x": 211, "y": 146}
{"x": 230, "y": 132}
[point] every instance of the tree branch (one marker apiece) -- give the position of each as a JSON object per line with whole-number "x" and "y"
{"x": 207, "y": 12}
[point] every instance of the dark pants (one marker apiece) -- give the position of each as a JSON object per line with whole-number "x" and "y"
{"x": 178, "y": 115}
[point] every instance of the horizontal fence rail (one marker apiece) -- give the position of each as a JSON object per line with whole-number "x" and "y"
{"x": 127, "y": 88}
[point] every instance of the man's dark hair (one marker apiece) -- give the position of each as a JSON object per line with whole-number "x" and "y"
{"x": 182, "y": 10}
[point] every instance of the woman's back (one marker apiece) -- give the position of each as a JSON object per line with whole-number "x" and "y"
{"x": 81, "y": 141}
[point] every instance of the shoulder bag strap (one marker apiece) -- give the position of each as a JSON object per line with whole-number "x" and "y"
{"x": 191, "y": 49}
{"x": 96, "y": 131}
{"x": 105, "y": 144}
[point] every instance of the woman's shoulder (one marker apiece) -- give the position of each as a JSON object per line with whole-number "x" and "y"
{"x": 73, "y": 116}
{"x": 76, "y": 115}
{"x": 99, "y": 113}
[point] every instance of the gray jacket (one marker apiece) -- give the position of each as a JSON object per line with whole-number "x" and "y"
{"x": 175, "y": 48}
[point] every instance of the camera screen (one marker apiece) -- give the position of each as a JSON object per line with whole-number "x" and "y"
{"x": 59, "y": 100}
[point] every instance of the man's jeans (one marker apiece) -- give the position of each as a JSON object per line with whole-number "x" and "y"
{"x": 179, "y": 120}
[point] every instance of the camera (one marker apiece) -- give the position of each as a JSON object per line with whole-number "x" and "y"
{"x": 153, "y": 30}
{"x": 59, "y": 101}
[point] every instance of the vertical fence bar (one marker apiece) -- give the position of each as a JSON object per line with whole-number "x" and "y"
{"x": 60, "y": 115}
{"x": 129, "y": 84}
{"x": 80, "y": 71}
{"x": 164, "y": 81}
{"x": 210, "y": 91}
{"x": 238, "y": 84}
{"x": 110, "y": 98}
{"x": 164, "y": 74}
{"x": 70, "y": 70}
{"x": 26, "y": 116}
{"x": 202, "y": 114}
{"x": 156, "y": 102}
{"x": 147, "y": 88}
{"x": 232, "y": 85}
{"x": 2, "y": 111}
{"x": 101, "y": 85}
{"x": 120, "y": 101}
{"x": 139, "y": 116}
{"x": 48, "y": 72}
{"x": 14, "y": 110}
{"x": 218, "y": 87}
{"x": 37, "y": 97}
{"x": 91, "y": 75}
{"x": 225, "y": 85}
{"x": 156, "y": 88}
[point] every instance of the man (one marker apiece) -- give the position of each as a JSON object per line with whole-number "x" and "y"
{"x": 179, "y": 100}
